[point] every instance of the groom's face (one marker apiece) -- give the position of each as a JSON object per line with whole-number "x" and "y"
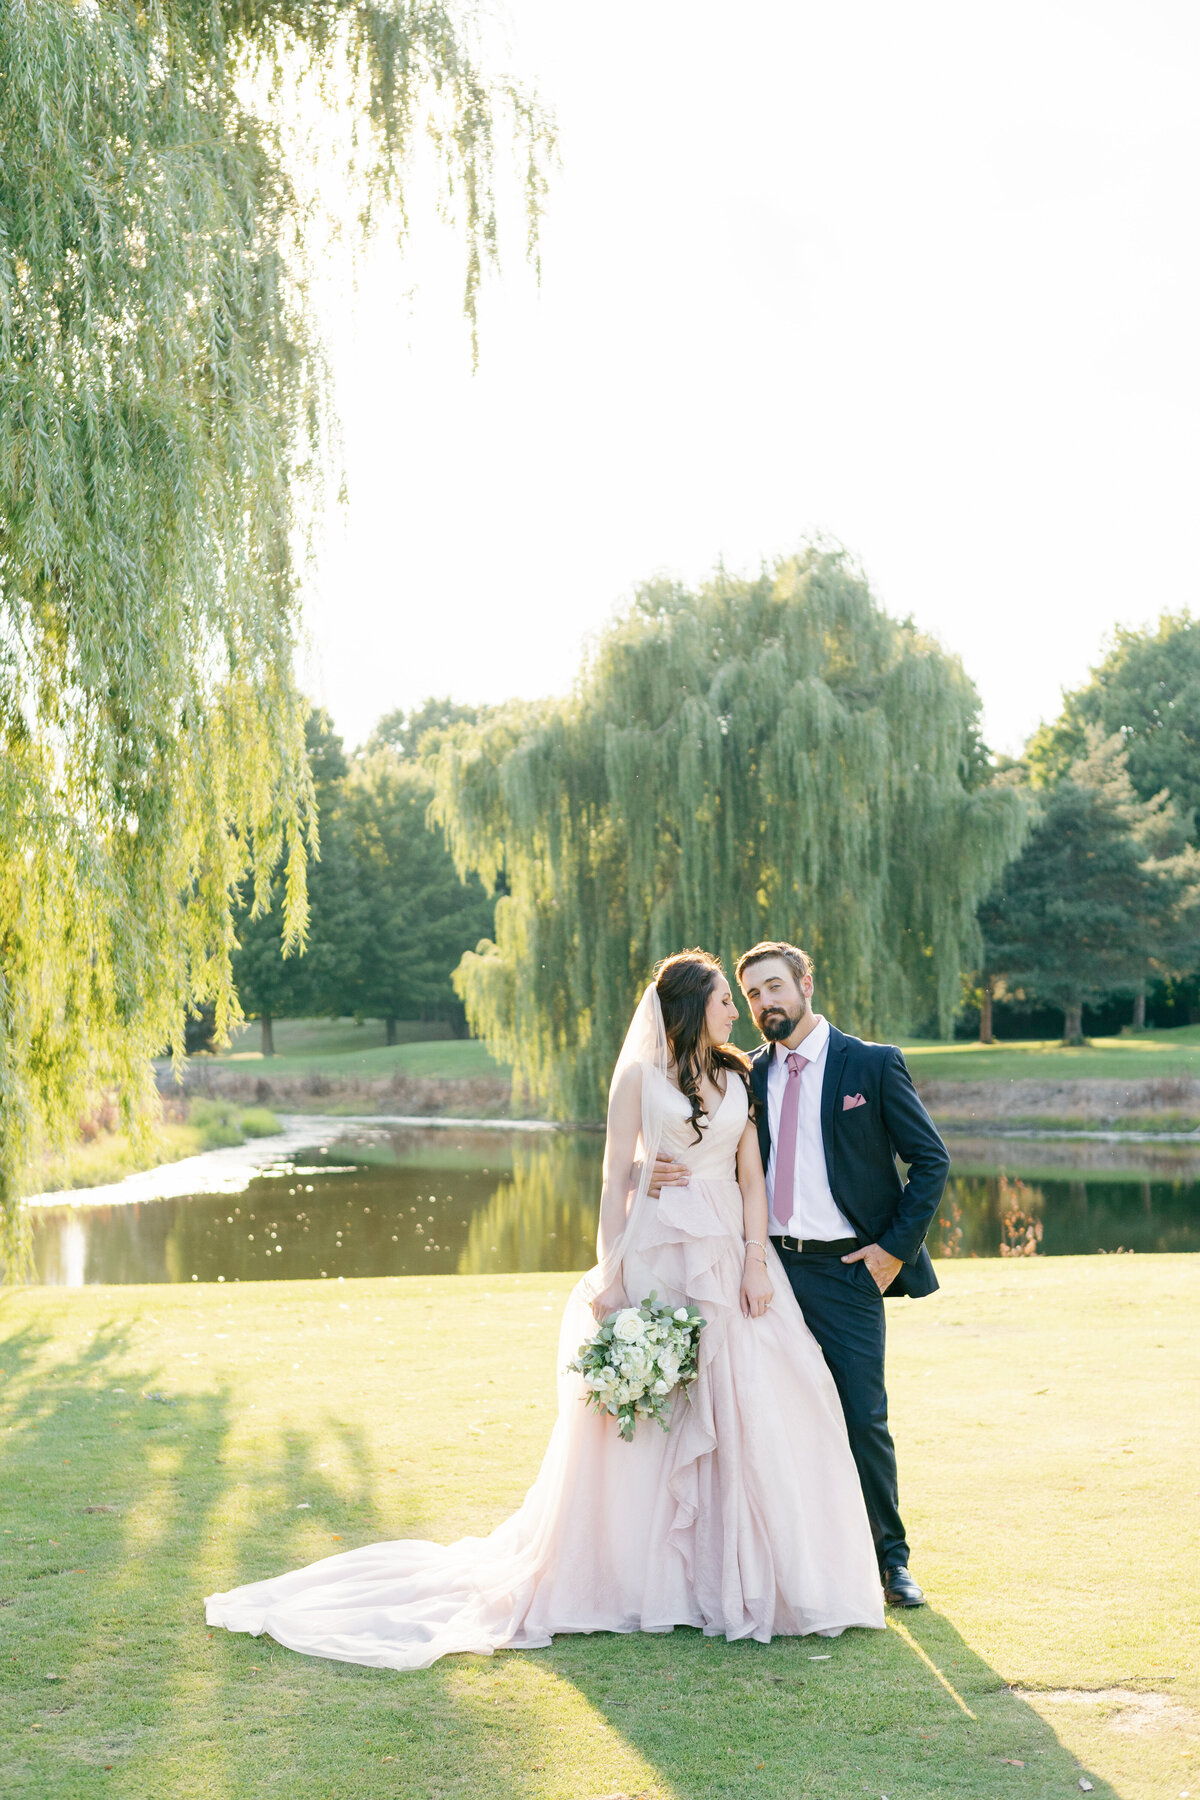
{"x": 777, "y": 999}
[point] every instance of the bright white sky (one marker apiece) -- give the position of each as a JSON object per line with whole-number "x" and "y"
{"x": 922, "y": 278}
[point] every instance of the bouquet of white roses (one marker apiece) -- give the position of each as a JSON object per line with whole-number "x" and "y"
{"x": 637, "y": 1357}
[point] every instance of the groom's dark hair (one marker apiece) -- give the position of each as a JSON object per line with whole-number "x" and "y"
{"x": 797, "y": 960}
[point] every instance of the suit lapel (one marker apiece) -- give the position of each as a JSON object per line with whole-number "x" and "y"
{"x": 835, "y": 1062}
{"x": 760, "y": 1064}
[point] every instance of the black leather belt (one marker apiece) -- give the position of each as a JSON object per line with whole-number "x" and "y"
{"x": 817, "y": 1246}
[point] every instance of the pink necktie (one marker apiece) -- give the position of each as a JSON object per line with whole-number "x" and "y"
{"x": 785, "y": 1154}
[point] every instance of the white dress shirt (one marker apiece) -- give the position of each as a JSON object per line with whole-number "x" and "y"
{"x": 814, "y": 1212}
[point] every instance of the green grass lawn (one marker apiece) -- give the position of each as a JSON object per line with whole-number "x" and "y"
{"x": 340, "y": 1047}
{"x": 1045, "y": 1413}
{"x": 1149, "y": 1056}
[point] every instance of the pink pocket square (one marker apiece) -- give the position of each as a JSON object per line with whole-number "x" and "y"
{"x": 852, "y": 1100}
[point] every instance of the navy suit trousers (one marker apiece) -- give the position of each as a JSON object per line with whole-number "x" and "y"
{"x": 843, "y": 1309}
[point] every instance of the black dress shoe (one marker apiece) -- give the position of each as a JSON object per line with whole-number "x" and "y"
{"x": 899, "y": 1588}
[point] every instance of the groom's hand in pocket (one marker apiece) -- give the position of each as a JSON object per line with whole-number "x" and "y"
{"x": 668, "y": 1173}
{"x": 883, "y": 1266}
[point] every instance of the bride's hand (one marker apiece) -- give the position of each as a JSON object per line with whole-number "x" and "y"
{"x": 609, "y": 1300}
{"x": 757, "y": 1291}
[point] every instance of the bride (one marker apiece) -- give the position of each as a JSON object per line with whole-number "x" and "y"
{"x": 745, "y": 1518}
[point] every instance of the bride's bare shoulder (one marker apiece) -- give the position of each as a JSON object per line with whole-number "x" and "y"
{"x": 628, "y": 1084}
{"x": 632, "y": 1078}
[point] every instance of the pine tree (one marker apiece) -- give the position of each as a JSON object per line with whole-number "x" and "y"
{"x": 1102, "y": 896}
{"x": 772, "y": 757}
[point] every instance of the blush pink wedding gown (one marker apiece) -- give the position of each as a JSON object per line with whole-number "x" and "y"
{"x": 744, "y": 1519}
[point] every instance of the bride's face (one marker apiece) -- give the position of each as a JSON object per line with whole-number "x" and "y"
{"x": 720, "y": 1013}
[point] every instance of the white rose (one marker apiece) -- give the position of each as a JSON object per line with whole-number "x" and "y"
{"x": 629, "y": 1325}
{"x": 680, "y": 1314}
{"x": 662, "y": 1387}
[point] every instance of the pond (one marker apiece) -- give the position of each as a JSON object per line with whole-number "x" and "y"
{"x": 412, "y": 1201}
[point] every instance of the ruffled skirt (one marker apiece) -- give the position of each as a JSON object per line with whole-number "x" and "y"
{"x": 745, "y": 1519}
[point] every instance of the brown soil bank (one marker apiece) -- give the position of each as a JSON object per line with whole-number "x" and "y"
{"x": 1170, "y": 1103}
{"x": 1164, "y": 1104}
{"x": 476, "y": 1097}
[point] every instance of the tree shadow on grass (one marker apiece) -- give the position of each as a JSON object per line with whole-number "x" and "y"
{"x": 123, "y": 1503}
{"x": 912, "y": 1710}
{"x": 149, "y": 1705}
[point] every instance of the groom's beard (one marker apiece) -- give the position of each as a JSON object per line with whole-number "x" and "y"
{"x": 776, "y": 1024}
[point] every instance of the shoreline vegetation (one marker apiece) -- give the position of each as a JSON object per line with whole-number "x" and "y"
{"x": 104, "y": 1154}
{"x": 1149, "y": 1082}
{"x": 167, "y": 1442}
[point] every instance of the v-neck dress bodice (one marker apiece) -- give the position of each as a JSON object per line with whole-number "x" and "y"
{"x": 715, "y": 1154}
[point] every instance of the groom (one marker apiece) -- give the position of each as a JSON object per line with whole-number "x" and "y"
{"x": 834, "y": 1113}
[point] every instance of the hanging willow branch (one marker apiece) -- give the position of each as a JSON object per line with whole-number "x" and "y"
{"x": 764, "y": 758}
{"x": 163, "y": 422}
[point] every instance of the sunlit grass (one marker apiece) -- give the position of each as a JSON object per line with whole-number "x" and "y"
{"x": 339, "y": 1047}
{"x": 1147, "y": 1056}
{"x": 1045, "y": 1414}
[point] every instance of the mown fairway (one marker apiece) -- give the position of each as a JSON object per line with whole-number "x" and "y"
{"x": 337, "y": 1047}
{"x": 1045, "y": 1412}
{"x": 1151, "y": 1056}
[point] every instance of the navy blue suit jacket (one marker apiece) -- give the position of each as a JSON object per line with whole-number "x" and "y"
{"x": 861, "y": 1147}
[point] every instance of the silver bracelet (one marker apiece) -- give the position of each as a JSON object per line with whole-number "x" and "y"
{"x": 753, "y": 1243}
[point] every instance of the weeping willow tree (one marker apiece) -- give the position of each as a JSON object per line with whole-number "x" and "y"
{"x": 764, "y": 758}
{"x": 163, "y": 426}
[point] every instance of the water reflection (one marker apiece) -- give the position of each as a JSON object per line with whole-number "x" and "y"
{"x": 402, "y": 1202}
{"x": 541, "y": 1216}
{"x": 1068, "y": 1198}
{"x": 408, "y": 1201}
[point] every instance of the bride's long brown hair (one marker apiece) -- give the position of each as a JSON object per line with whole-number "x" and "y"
{"x": 685, "y": 983}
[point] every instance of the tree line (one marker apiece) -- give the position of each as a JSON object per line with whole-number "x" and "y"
{"x": 777, "y": 757}
{"x": 765, "y": 757}
{"x": 774, "y": 756}
{"x": 388, "y": 916}
{"x": 1101, "y": 907}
